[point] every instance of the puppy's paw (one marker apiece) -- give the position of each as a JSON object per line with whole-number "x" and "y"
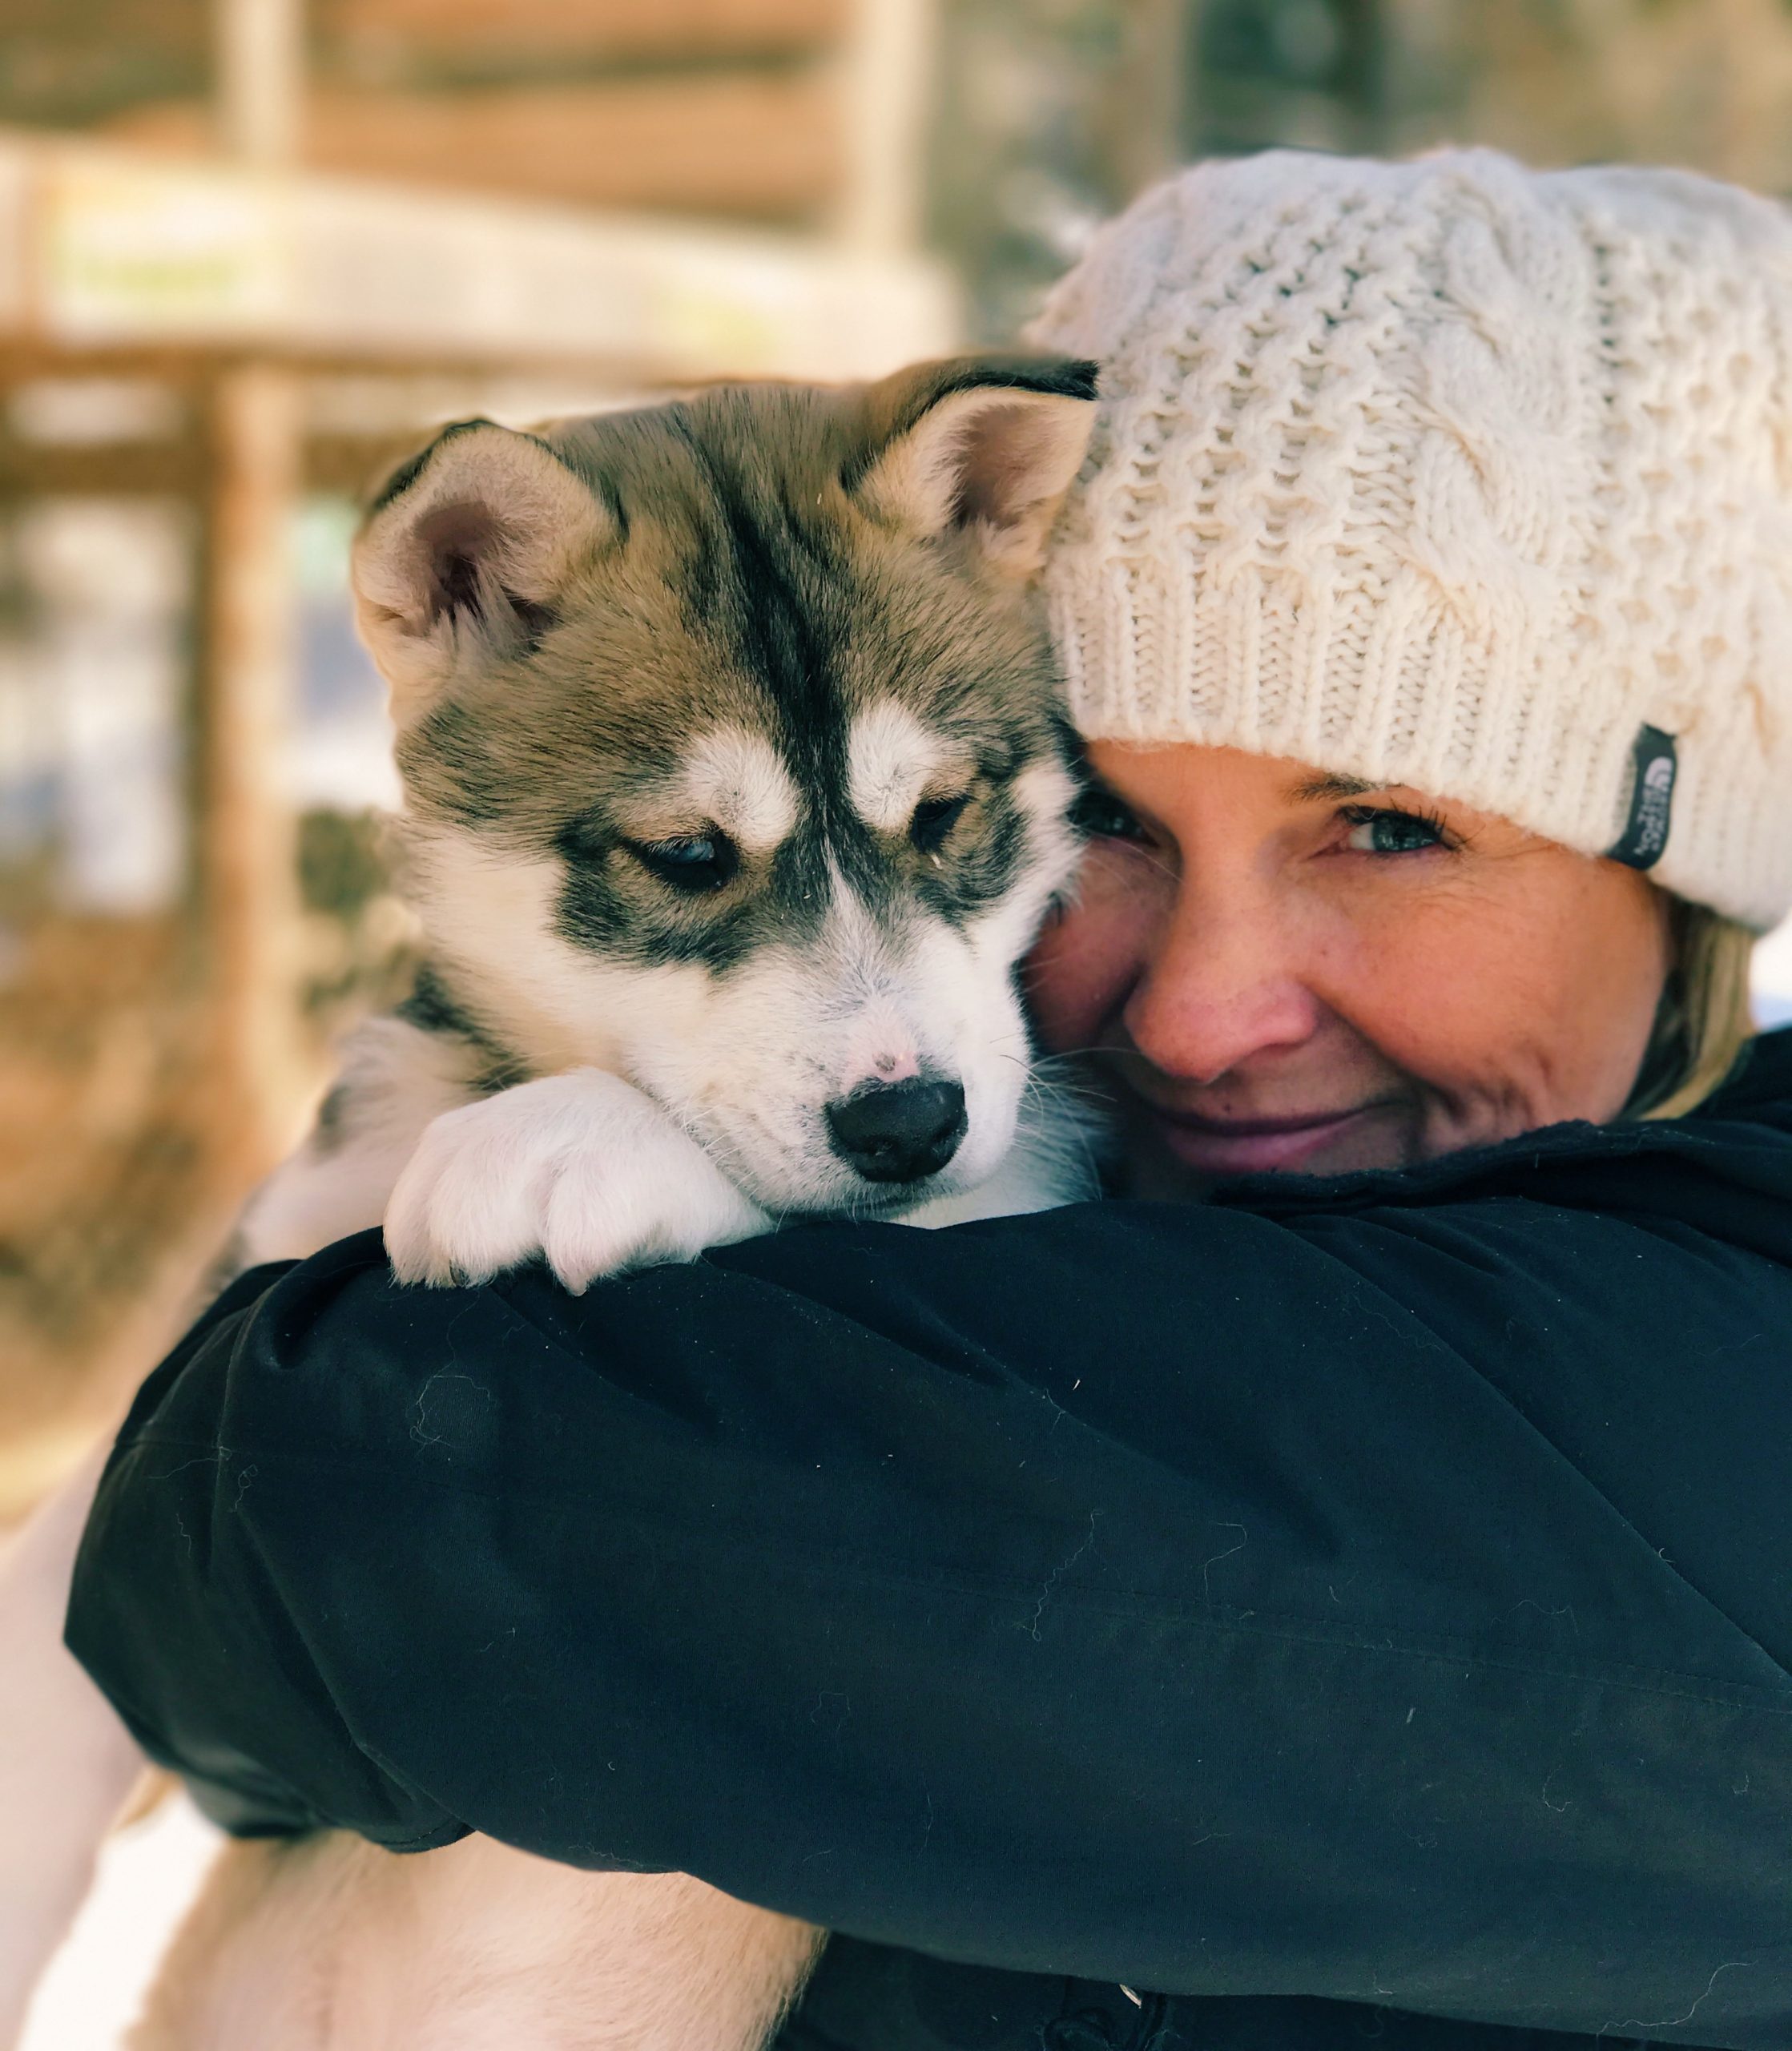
{"x": 582, "y": 1168}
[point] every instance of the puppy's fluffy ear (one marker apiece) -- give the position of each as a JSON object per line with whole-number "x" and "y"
{"x": 983, "y": 445}
{"x": 464, "y": 553}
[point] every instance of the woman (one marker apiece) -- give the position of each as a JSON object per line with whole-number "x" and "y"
{"x": 1339, "y": 1608}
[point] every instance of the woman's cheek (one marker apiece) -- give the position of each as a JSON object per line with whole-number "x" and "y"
{"x": 1085, "y": 963}
{"x": 1543, "y": 1000}
{"x": 1418, "y": 983}
{"x": 1066, "y": 989}
{"x": 1486, "y": 1031}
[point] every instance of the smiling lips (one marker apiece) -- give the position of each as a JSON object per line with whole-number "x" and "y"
{"x": 1251, "y": 1146}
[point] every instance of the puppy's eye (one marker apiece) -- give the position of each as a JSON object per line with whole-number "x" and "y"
{"x": 691, "y": 863}
{"x": 934, "y": 820}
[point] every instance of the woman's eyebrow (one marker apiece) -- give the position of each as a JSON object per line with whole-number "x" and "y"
{"x": 1322, "y": 788}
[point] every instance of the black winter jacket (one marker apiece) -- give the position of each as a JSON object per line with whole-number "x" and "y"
{"x": 1347, "y": 1610}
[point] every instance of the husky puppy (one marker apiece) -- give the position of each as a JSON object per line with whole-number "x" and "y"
{"x": 736, "y": 787}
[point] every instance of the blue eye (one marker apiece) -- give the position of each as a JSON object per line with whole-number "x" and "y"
{"x": 1102, "y": 817}
{"x": 1373, "y": 832}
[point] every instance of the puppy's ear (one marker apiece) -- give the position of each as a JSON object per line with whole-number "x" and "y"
{"x": 464, "y": 553}
{"x": 983, "y": 445}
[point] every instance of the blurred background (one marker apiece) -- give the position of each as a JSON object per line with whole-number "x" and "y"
{"x": 251, "y": 250}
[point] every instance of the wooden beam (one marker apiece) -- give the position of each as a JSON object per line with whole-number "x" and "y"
{"x": 114, "y": 255}
{"x": 765, "y": 145}
{"x": 476, "y": 29}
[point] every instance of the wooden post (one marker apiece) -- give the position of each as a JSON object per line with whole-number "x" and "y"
{"x": 247, "y": 849}
{"x": 886, "y": 89}
{"x": 248, "y": 853}
{"x": 259, "y": 54}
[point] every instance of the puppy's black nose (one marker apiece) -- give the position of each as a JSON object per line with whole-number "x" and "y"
{"x": 898, "y": 1132}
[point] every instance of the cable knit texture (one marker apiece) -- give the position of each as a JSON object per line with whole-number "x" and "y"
{"x": 1452, "y": 474}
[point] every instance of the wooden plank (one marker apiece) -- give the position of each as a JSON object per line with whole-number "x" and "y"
{"x": 182, "y": 21}
{"x": 519, "y": 30}
{"x": 128, "y": 260}
{"x": 414, "y": 279}
{"x": 766, "y": 146}
{"x": 110, "y": 469}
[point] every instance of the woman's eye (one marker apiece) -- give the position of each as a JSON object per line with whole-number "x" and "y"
{"x": 1100, "y": 816}
{"x": 934, "y": 820}
{"x": 692, "y": 864}
{"x": 1391, "y": 832}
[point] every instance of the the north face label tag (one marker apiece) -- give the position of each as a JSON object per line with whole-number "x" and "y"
{"x": 1645, "y": 831}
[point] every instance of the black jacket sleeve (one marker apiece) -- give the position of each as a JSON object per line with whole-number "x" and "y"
{"x": 1380, "y": 1590}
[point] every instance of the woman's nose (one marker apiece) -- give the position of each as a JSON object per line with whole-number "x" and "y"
{"x": 1225, "y": 984}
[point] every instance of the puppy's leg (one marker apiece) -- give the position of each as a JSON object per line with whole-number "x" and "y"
{"x": 582, "y": 1168}
{"x": 529, "y": 1952}
{"x": 395, "y": 1079}
{"x": 332, "y": 1945}
{"x": 67, "y": 1764}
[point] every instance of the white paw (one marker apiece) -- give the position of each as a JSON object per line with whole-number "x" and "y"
{"x": 582, "y": 1168}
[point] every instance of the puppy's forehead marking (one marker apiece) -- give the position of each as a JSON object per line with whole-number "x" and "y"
{"x": 739, "y": 779}
{"x": 890, "y": 756}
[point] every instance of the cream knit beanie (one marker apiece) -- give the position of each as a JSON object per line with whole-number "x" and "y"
{"x": 1456, "y": 475}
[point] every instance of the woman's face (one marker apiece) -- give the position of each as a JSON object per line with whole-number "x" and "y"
{"x": 1275, "y": 968}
